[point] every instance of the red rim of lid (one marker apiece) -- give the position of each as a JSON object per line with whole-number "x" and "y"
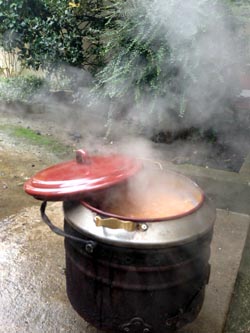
{"x": 71, "y": 179}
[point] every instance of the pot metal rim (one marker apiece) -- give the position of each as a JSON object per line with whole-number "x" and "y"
{"x": 157, "y": 235}
{"x": 148, "y": 219}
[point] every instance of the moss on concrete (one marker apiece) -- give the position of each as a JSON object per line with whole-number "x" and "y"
{"x": 29, "y": 136}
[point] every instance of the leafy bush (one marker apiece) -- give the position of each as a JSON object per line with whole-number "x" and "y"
{"x": 48, "y": 33}
{"x": 162, "y": 55}
{"x": 136, "y": 54}
{"x": 21, "y": 88}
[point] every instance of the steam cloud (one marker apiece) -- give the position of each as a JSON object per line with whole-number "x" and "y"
{"x": 200, "y": 33}
{"x": 201, "y": 36}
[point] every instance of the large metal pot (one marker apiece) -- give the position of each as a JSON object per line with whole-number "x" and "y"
{"x": 129, "y": 272}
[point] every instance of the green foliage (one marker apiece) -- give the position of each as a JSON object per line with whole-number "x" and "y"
{"x": 21, "y": 88}
{"x": 136, "y": 53}
{"x": 48, "y": 33}
{"x": 157, "y": 56}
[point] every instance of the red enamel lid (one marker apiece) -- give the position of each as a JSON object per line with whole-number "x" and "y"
{"x": 69, "y": 180}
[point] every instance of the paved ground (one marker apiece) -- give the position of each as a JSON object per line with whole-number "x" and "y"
{"x": 238, "y": 320}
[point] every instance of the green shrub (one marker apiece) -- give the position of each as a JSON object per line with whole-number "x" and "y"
{"x": 48, "y": 33}
{"x": 21, "y": 88}
{"x": 161, "y": 61}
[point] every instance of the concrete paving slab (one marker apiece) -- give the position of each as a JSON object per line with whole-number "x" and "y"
{"x": 229, "y": 190}
{"x": 238, "y": 319}
{"x": 32, "y": 280}
{"x": 226, "y": 251}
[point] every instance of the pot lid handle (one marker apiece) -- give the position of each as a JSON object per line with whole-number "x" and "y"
{"x": 82, "y": 157}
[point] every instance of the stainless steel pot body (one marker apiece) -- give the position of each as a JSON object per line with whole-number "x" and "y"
{"x": 149, "y": 279}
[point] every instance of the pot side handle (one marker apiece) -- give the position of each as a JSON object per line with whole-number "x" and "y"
{"x": 89, "y": 244}
{"x": 114, "y": 223}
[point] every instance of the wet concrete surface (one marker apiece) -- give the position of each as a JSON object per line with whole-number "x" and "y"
{"x": 32, "y": 282}
{"x": 238, "y": 320}
{"x": 19, "y": 160}
{"x": 226, "y": 251}
{"x": 15, "y": 170}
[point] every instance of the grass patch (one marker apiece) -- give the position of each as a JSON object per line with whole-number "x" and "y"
{"x": 36, "y": 138}
{"x": 22, "y": 88}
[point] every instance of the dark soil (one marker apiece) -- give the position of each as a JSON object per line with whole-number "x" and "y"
{"x": 208, "y": 149}
{"x": 222, "y": 143}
